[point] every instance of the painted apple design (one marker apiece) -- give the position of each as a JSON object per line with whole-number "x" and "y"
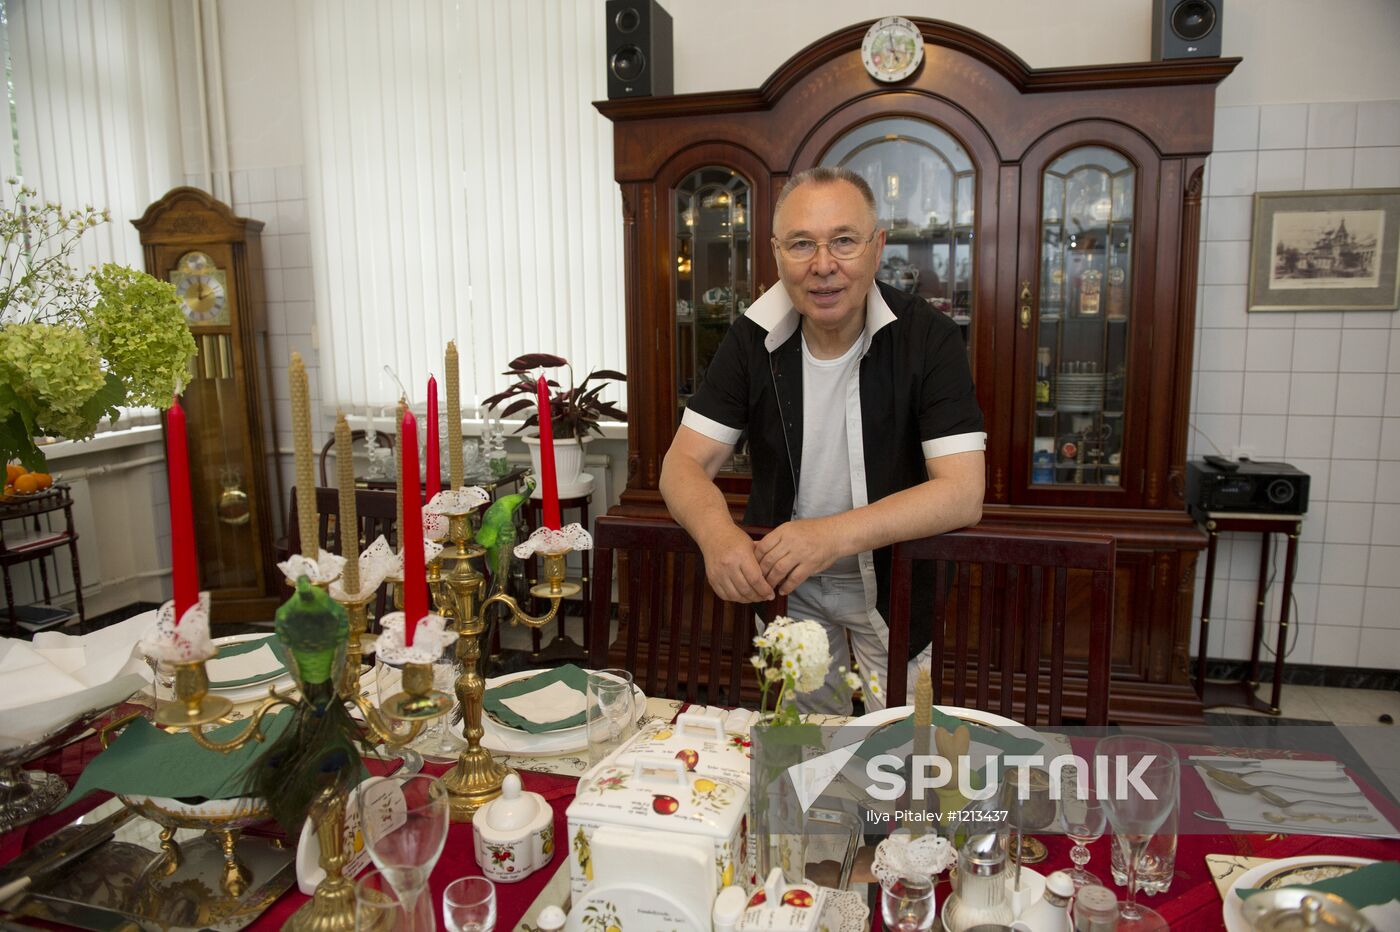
{"x": 664, "y": 805}
{"x": 799, "y": 898}
{"x": 688, "y": 757}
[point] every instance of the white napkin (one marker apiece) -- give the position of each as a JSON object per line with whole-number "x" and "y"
{"x": 553, "y": 703}
{"x": 1245, "y": 811}
{"x": 27, "y": 676}
{"x": 241, "y": 666}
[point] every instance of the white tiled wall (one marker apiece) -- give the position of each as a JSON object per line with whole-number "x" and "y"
{"x": 1318, "y": 389}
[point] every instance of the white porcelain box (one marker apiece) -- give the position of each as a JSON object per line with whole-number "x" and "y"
{"x": 643, "y": 789}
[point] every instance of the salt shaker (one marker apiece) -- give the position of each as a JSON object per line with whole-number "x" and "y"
{"x": 1050, "y": 913}
{"x": 552, "y": 919}
{"x": 1095, "y": 910}
{"x": 981, "y": 885}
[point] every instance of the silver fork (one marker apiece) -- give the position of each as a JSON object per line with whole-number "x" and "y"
{"x": 1251, "y": 769}
{"x": 1279, "y": 786}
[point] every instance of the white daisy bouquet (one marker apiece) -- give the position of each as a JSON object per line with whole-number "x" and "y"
{"x": 794, "y": 657}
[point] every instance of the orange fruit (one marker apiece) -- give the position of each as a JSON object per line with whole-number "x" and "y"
{"x": 13, "y": 471}
{"x": 44, "y": 479}
{"x": 27, "y": 483}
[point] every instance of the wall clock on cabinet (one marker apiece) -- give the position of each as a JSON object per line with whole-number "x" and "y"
{"x": 893, "y": 49}
{"x": 214, "y": 260}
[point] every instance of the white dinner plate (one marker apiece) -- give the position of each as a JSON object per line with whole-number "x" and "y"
{"x": 1233, "y": 909}
{"x": 522, "y": 743}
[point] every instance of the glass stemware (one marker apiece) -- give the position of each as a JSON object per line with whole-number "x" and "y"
{"x": 611, "y": 716}
{"x": 907, "y": 904}
{"x": 407, "y": 852}
{"x": 1142, "y": 789}
{"x": 388, "y": 681}
{"x": 378, "y": 906}
{"x": 1083, "y": 819}
{"x": 469, "y": 905}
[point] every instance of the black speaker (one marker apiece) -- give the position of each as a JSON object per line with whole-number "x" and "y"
{"x": 1186, "y": 28}
{"x": 639, "y": 49}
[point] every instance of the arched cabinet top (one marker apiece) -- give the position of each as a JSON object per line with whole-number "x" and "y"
{"x": 1014, "y": 103}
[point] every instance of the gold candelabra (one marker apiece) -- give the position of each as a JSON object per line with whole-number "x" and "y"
{"x": 477, "y": 777}
{"x": 332, "y": 908}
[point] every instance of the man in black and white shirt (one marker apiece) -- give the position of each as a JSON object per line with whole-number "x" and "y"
{"x": 863, "y": 429}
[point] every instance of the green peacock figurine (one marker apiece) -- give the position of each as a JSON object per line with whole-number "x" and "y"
{"x": 322, "y": 745}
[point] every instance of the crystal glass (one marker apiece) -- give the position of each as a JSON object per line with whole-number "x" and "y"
{"x": 611, "y": 712}
{"x": 443, "y": 743}
{"x": 407, "y": 852}
{"x": 1157, "y": 866}
{"x": 1083, "y": 818}
{"x": 378, "y": 906}
{"x": 469, "y": 905}
{"x": 1142, "y": 790}
{"x": 907, "y": 904}
{"x": 388, "y": 681}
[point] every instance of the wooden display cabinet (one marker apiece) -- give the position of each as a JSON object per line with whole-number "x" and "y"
{"x": 1053, "y": 213}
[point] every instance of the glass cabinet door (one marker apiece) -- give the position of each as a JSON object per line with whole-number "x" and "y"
{"x": 924, "y": 185}
{"x": 1081, "y": 349}
{"x": 713, "y": 272}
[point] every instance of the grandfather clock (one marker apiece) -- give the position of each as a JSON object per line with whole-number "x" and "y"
{"x": 214, "y": 260}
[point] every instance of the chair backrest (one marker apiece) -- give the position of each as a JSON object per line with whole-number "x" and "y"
{"x": 677, "y": 638}
{"x": 374, "y": 511}
{"x": 1009, "y": 590}
{"x": 356, "y": 437}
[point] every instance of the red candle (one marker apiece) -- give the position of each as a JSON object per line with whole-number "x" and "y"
{"x": 434, "y": 465}
{"x": 183, "y": 558}
{"x": 415, "y": 578}
{"x": 549, "y": 486}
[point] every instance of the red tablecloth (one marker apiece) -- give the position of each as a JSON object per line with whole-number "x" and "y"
{"x": 1192, "y": 902}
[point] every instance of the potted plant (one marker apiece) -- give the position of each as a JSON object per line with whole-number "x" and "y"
{"x": 74, "y": 348}
{"x": 574, "y": 412}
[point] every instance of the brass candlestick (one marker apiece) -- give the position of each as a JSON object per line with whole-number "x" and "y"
{"x": 476, "y": 778}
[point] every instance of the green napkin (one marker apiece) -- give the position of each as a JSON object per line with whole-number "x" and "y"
{"x": 146, "y": 761}
{"x": 279, "y": 650}
{"x": 1372, "y": 885}
{"x": 902, "y": 732}
{"x": 570, "y": 675}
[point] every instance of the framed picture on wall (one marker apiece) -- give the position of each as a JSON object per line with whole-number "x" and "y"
{"x": 1325, "y": 250}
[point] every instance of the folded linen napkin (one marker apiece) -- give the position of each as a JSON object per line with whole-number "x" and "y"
{"x": 146, "y": 761}
{"x": 1373, "y": 889}
{"x": 1285, "y": 778}
{"x": 247, "y": 662}
{"x": 548, "y": 701}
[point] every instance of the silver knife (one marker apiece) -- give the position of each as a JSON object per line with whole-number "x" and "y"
{"x": 55, "y": 853}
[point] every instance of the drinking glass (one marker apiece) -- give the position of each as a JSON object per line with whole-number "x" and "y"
{"x": 388, "y": 681}
{"x": 443, "y": 744}
{"x": 1082, "y": 817}
{"x": 1142, "y": 790}
{"x": 469, "y": 905}
{"x": 1157, "y": 866}
{"x": 611, "y": 714}
{"x": 378, "y": 906}
{"x": 406, "y": 853}
{"x": 907, "y": 904}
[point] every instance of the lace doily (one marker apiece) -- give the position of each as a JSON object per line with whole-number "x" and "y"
{"x": 435, "y": 526}
{"x": 431, "y": 549}
{"x": 457, "y": 501}
{"x": 900, "y": 856}
{"x": 430, "y": 639}
{"x": 546, "y": 540}
{"x": 325, "y": 569}
{"x": 171, "y": 643}
{"x": 377, "y": 561}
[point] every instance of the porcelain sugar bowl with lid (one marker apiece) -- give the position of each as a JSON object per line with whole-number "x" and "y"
{"x": 513, "y": 833}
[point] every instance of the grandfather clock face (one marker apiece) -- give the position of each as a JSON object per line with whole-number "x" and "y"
{"x": 202, "y": 289}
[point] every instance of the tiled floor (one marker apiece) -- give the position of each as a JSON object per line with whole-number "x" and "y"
{"x": 1325, "y": 704}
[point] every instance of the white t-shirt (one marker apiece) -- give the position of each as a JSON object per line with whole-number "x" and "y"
{"x": 828, "y": 388}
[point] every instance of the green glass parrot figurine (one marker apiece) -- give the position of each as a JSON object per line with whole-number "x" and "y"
{"x": 319, "y": 748}
{"x": 497, "y": 533}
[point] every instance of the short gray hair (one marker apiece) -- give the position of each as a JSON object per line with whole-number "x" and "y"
{"x": 825, "y": 174}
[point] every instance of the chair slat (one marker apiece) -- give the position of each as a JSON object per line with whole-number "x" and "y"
{"x": 1057, "y": 644}
{"x": 1009, "y": 611}
{"x": 1035, "y": 603}
{"x": 961, "y": 634}
{"x": 937, "y": 647}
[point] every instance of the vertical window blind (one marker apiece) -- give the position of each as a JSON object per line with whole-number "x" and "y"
{"x": 459, "y": 187}
{"x": 95, "y": 112}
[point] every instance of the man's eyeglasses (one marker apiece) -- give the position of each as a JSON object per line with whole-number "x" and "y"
{"x": 840, "y": 247}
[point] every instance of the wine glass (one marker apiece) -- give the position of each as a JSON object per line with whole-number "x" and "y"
{"x": 406, "y": 852}
{"x": 443, "y": 743}
{"x": 1083, "y": 818}
{"x": 1142, "y": 789}
{"x": 611, "y": 717}
{"x": 907, "y": 904}
{"x": 388, "y": 681}
{"x": 469, "y": 905}
{"x": 378, "y": 906}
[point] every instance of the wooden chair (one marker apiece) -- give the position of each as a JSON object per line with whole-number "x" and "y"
{"x": 1002, "y": 597}
{"x": 356, "y": 437}
{"x": 374, "y": 511}
{"x": 678, "y": 638}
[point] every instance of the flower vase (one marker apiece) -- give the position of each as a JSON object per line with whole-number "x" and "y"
{"x": 776, "y": 819}
{"x": 568, "y": 460}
